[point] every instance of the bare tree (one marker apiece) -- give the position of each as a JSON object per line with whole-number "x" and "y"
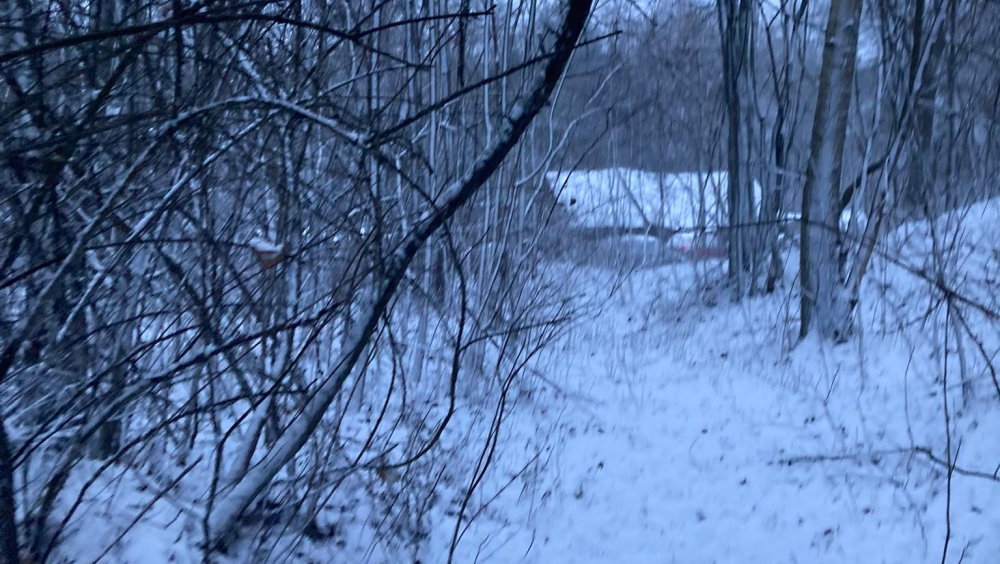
{"x": 245, "y": 488}
{"x": 219, "y": 261}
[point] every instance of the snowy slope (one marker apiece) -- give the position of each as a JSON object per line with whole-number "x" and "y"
{"x": 666, "y": 429}
{"x": 706, "y": 437}
{"x": 622, "y": 197}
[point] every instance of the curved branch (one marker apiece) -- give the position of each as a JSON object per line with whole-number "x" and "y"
{"x": 222, "y": 521}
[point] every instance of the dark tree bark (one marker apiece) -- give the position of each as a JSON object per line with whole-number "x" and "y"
{"x": 734, "y": 25}
{"x": 8, "y": 516}
{"x": 921, "y": 164}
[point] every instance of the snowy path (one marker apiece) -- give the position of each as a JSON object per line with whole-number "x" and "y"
{"x": 683, "y": 476}
{"x": 673, "y": 459}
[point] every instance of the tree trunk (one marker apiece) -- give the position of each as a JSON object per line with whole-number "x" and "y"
{"x": 921, "y": 162}
{"x": 775, "y": 270}
{"x": 733, "y": 28}
{"x": 825, "y": 303}
{"x": 8, "y": 511}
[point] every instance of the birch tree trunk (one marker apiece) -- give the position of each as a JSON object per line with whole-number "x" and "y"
{"x": 825, "y": 305}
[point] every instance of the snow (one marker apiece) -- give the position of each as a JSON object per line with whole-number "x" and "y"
{"x": 861, "y": 219}
{"x": 635, "y": 198}
{"x": 704, "y": 437}
{"x": 153, "y": 539}
{"x": 672, "y": 426}
{"x": 264, "y": 247}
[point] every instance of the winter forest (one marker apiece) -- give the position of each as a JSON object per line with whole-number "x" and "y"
{"x": 456, "y": 281}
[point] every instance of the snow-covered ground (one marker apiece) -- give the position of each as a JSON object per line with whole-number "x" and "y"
{"x": 698, "y": 440}
{"x": 671, "y": 426}
{"x": 621, "y": 197}
{"x": 706, "y": 434}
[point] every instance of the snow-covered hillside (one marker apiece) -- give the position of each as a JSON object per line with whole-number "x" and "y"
{"x": 630, "y": 198}
{"x": 668, "y": 428}
{"x": 705, "y": 434}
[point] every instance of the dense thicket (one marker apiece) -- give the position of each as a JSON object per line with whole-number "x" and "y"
{"x": 232, "y": 230}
